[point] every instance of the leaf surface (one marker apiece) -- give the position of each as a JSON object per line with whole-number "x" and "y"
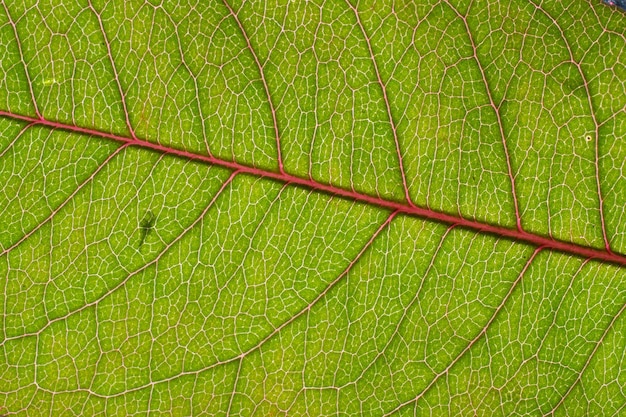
{"x": 312, "y": 208}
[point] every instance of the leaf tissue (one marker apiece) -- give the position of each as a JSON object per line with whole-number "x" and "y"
{"x": 324, "y": 208}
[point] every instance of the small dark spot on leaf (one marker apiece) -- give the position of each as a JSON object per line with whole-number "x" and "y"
{"x": 146, "y": 225}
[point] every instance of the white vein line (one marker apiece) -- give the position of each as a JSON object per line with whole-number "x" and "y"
{"x": 474, "y": 340}
{"x": 316, "y": 94}
{"x": 114, "y": 69}
{"x": 19, "y": 48}
{"x": 383, "y": 88}
{"x": 329, "y": 286}
{"x": 252, "y": 237}
{"x": 135, "y": 272}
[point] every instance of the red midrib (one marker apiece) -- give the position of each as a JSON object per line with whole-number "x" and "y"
{"x": 536, "y": 240}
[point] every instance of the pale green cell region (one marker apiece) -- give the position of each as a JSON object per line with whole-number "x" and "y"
{"x": 264, "y": 255}
{"x": 613, "y": 166}
{"x": 592, "y": 45}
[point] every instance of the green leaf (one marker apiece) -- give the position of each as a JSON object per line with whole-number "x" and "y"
{"x": 312, "y": 208}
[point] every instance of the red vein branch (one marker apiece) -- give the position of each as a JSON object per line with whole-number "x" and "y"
{"x": 116, "y": 76}
{"x": 274, "y": 332}
{"x": 65, "y": 201}
{"x": 266, "y": 87}
{"x": 425, "y": 213}
{"x": 472, "y": 342}
{"x": 123, "y": 282}
{"x": 383, "y": 88}
{"x": 588, "y": 362}
{"x": 596, "y": 139}
{"x": 22, "y": 60}
{"x": 405, "y": 310}
{"x": 492, "y": 104}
